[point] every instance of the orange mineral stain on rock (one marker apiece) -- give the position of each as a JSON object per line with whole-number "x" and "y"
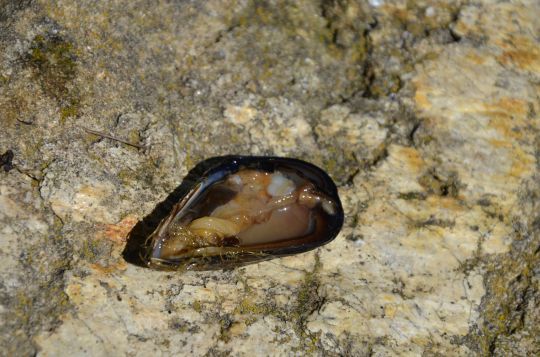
{"x": 421, "y": 98}
{"x": 390, "y": 310}
{"x": 514, "y": 106}
{"x": 523, "y": 164}
{"x": 475, "y": 58}
{"x": 507, "y": 115}
{"x": 500, "y": 144}
{"x": 521, "y": 52}
{"x": 118, "y": 232}
{"x": 411, "y": 156}
{"x": 448, "y": 203}
{"x": 506, "y": 126}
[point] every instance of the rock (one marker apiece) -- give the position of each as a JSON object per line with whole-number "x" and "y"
{"x": 424, "y": 113}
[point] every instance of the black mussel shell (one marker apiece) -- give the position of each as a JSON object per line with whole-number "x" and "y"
{"x": 235, "y": 210}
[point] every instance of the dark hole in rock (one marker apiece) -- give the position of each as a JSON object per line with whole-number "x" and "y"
{"x": 6, "y": 160}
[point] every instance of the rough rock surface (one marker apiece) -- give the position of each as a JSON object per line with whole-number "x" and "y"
{"x": 426, "y": 113}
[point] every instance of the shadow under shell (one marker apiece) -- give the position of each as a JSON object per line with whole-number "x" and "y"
{"x": 199, "y": 194}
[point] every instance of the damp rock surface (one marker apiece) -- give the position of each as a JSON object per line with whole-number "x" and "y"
{"x": 425, "y": 114}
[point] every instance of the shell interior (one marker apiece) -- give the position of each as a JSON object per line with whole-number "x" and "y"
{"x": 248, "y": 209}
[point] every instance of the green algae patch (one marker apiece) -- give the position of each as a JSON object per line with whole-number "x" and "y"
{"x": 504, "y": 309}
{"x": 197, "y": 306}
{"x": 253, "y": 310}
{"x": 509, "y": 319}
{"x": 95, "y": 250}
{"x": 308, "y": 300}
{"x": 413, "y": 195}
{"x": 441, "y": 185}
{"x": 54, "y": 63}
{"x": 71, "y": 109}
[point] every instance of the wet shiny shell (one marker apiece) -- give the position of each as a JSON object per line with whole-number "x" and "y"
{"x": 244, "y": 210}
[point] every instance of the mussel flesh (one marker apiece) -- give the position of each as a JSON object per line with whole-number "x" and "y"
{"x": 247, "y": 209}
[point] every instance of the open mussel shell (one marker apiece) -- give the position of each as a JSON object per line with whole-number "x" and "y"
{"x": 245, "y": 209}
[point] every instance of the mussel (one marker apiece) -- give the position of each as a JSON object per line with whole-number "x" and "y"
{"x": 246, "y": 209}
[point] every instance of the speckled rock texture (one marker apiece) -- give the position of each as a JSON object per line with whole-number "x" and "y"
{"x": 425, "y": 113}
